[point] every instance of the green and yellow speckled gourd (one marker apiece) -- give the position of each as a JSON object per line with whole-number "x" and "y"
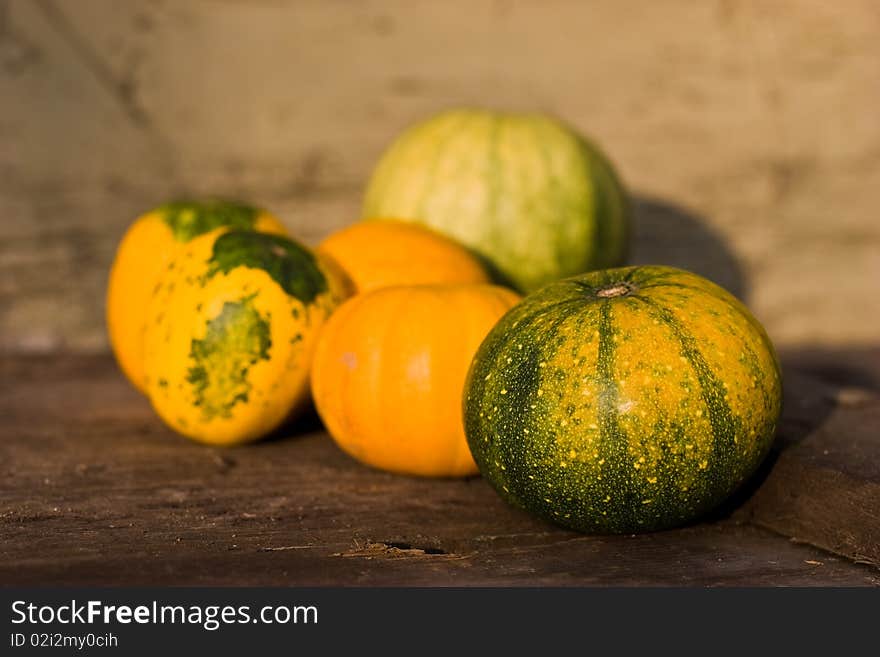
{"x": 144, "y": 252}
{"x": 230, "y": 333}
{"x": 625, "y": 400}
{"x": 524, "y": 191}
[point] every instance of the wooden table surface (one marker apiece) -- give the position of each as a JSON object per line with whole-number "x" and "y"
{"x": 95, "y": 490}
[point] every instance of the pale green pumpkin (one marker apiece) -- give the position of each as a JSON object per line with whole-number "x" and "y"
{"x": 524, "y": 191}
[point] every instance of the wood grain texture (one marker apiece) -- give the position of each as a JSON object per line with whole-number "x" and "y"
{"x": 825, "y": 489}
{"x": 747, "y": 131}
{"x": 94, "y": 490}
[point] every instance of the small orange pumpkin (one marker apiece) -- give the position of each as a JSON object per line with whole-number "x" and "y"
{"x": 389, "y": 370}
{"x": 384, "y": 252}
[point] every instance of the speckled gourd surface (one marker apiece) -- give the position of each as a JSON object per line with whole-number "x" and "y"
{"x": 625, "y": 400}
{"x": 149, "y": 243}
{"x": 230, "y": 333}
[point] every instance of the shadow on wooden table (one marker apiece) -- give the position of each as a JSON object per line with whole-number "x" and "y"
{"x": 666, "y": 234}
{"x": 304, "y": 423}
{"x": 848, "y": 367}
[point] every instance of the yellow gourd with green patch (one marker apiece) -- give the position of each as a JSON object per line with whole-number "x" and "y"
{"x": 144, "y": 251}
{"x": 230, "y": 332}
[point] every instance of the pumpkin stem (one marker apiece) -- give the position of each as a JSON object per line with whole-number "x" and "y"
{"x": 615, "y": 290}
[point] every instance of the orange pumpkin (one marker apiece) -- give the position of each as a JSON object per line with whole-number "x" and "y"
{"x": 389, "y": 370}
{"x": 384, "y": 252}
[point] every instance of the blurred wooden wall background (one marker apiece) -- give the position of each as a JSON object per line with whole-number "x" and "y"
{"x": 748, "y": 131}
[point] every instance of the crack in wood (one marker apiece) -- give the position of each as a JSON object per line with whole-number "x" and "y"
{"x": 285, "y": 548}
{"x": 394, "y": 549}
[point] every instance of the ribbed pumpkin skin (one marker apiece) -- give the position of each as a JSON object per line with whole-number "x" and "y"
{"x": 143, "y": 254}
{"x": 389, "y": 372}
{"x": 230, "y": 334}
{"x": 385, "y": 252}
{"x": 523, "y": 190}
{"x": 626, "y": 400}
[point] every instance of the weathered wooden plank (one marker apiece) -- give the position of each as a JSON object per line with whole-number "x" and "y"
{"x": 93, "y": 489}
{"x": 824, "y": 488}
{"x": 752, "y": 123}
